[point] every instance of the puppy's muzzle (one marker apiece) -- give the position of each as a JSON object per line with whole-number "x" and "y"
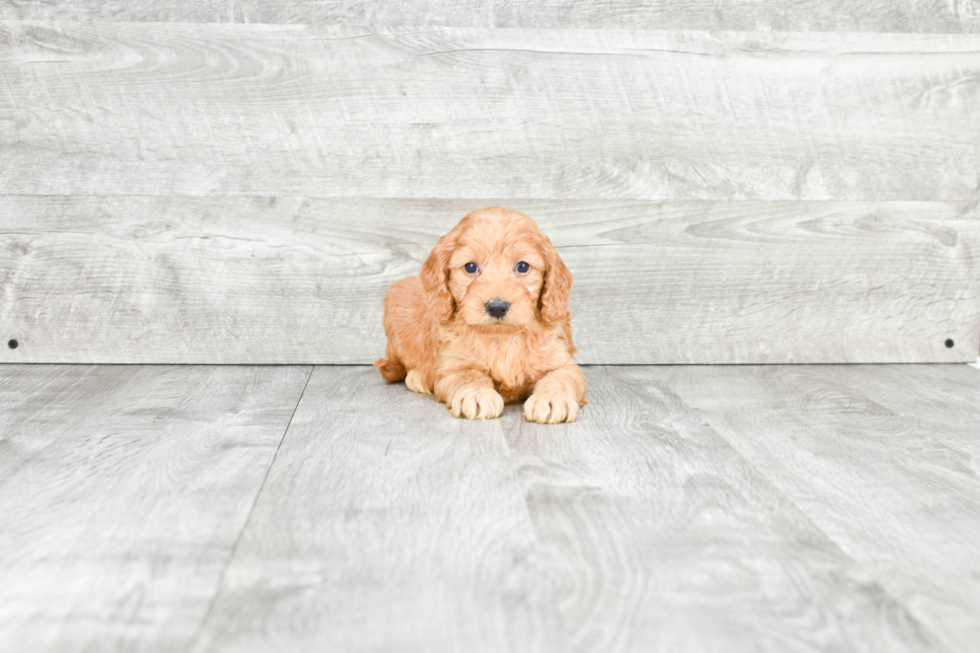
{"x": 496, "y": 308}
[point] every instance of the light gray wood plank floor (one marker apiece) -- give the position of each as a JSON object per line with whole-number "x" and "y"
{"x": 122, "y": 493}
{"x": 709, "y": 508}
{"x": 892, "y": 450}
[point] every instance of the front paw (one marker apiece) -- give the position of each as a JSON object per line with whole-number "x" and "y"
{"x": 477, "y": 403}
{"x": 550, "y": 408}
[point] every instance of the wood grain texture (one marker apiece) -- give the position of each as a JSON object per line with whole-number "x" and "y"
{"x": 764, "y": 15}
{"x": 301, "y": 280}
{"x": 188, "y": 109}
{"x": 938, "y": 393}
{"x": 637, "y": 528}
{"x": 874, "y": 447}
{"x": 122, "y": 493}
{"x": 661, "y": 537}
{"x": 694, "y": 508}
{"x": 385, "y": 524}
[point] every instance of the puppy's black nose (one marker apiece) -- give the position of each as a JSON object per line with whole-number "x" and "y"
{"x": 497, "y": 308}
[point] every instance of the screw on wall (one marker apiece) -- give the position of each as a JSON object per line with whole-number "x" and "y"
{"x": 949, "y": 343}
{"x": 12, "y": 343}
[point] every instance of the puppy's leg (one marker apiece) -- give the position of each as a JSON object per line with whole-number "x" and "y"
{"x": 557, "y": 396}
{"x": 416, "y": 382}
{"x": 469, "y": 393}
{"x": 409, "y": 353}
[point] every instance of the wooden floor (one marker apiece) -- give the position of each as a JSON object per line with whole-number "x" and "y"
{"x": 697, "y": 508}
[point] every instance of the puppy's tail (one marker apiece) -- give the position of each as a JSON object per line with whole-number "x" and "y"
{"x": 391, "y": 370}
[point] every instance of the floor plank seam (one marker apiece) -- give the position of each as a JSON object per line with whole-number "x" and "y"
{"x": 841, "y": 547}
{"x": 234, "y": 549}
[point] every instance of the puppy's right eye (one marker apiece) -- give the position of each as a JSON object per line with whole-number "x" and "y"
{"x": 470, "y": 267}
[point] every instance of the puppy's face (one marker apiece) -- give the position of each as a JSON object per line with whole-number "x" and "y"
{"x": 496, "y": 274}
{"x": 495, "y": 269}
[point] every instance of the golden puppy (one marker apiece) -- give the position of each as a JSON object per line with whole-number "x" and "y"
{"x": 486, "y": 323}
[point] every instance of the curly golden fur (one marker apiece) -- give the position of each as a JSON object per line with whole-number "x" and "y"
{"x": 444, "y": 335}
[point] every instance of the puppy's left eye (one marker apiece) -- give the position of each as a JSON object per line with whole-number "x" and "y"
{"x": 523, "y": 267}
{"x": 470, "y": 267}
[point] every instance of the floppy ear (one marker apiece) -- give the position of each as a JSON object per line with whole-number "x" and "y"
{"x": 435, "y": 278}
{"x": 555, "y": 296}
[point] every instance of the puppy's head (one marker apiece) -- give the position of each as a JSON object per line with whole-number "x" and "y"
{"x": 495, "y": 269}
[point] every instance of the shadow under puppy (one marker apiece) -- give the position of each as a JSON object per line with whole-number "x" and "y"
{"x": 486, "y": 323}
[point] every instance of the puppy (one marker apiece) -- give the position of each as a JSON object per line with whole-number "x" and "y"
{"x": 486, "y": 323}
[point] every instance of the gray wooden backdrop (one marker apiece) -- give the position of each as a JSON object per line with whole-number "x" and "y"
{"x": 730, "y": 182}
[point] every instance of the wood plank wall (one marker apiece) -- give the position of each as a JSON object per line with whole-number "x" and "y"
{"x": 796, "y": 186}
{"x": 918, "y": 16}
